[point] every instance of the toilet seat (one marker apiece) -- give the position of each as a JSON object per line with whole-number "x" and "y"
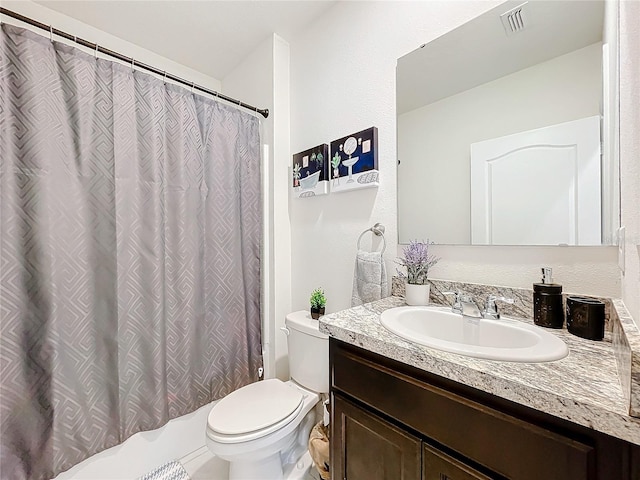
{"x": 254, "y": 411}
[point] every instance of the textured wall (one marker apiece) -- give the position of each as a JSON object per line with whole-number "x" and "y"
{"x": 630, "y": 151}
{"x": 342, "y": 81}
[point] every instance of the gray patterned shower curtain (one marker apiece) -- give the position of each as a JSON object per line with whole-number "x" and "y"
{"x": 130, "y": 253}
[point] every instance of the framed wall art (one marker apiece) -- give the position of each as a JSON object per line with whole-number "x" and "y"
{"x": 310, "y": 173}
{"x": 354, "y": 161}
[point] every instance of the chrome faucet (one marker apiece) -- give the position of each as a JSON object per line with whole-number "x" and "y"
{"x": 464, "y": 305}
{"x": 491, "y": 309}
{"x": 469, "y": 307}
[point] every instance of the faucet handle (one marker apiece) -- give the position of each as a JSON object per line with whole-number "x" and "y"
{"x": 491, "y": 309}
{"x": 456, "y": 306}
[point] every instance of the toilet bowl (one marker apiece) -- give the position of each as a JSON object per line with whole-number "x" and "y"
{"x": 263, "y": 429}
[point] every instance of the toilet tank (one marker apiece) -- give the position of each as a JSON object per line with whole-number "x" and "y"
{"x": 308, "y": 352}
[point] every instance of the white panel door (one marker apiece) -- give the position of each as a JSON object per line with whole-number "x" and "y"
{"x": 540, "y": 187}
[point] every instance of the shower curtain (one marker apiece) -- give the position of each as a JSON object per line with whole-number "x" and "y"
{"x": 130, "y": 253}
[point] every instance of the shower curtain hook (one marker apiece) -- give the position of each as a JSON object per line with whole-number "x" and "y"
{"x": 95, "y": 54}
{"x": 51, "y": 33}
{"x": 133, "y": 64}
{"x": 192, "y": 85}
{"x": 164, "y": 80}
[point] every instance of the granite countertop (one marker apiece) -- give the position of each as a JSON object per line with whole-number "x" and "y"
{"x": 583, "y": 388}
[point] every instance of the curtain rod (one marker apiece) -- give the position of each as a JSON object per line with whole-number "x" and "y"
{"x": 94, "y": 46}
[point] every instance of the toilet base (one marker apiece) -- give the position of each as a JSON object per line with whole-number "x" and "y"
{"x": 302, "y": 469}
{"x": 204, "y": 464}
{"x": 268, "y": 467}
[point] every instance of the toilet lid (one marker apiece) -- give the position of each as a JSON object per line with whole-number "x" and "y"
{"x": 254, "y": 407}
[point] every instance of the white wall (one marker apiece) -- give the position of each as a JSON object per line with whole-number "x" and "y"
{"x": 342, "y": 81}
{"x": 630, "y": 151}
{"x": 585, "y": 270}
{"x": 263, "y": 80}
{"x": 434, "y": 140}
{"x": 280, "y": 185}
{"x": 610, "y": 125}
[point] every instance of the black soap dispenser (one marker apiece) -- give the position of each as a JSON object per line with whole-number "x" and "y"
{"x": 547, "y": 302}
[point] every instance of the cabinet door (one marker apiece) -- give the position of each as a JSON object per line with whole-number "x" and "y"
{"x": 437, "y": 465}
{"x": 364, "y": 446}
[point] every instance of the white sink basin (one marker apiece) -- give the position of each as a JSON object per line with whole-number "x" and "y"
{"x": 504, "y": 339}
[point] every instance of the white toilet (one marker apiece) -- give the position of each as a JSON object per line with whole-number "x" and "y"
{"x": 262, "y": 429}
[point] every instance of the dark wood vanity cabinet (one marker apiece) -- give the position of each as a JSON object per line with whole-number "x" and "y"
{"x": 390, "y": 421}
{"x": 372, "y": 448}
{"x": 437, "y": 465}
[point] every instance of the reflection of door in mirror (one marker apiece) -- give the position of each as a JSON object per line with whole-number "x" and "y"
{"x": 541, "y": 186}
{"x": 477, "y": 83}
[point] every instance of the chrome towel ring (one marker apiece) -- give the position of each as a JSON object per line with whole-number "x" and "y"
{"x": 378, "y": 230}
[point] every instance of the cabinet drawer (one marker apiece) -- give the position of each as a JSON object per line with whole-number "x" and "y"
{"x": 502, "y": 443}
{"x": 437, "y": 465}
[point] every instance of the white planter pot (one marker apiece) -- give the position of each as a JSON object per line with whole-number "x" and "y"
{"x": 416, "y": 294}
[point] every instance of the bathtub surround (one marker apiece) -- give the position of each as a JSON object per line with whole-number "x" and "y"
{"x": 130, "y": 251}
{"x": 180, "y": 438}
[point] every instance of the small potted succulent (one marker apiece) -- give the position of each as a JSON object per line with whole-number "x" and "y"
{"x": 417, "y": 261}
{"x": 318, "y": 302}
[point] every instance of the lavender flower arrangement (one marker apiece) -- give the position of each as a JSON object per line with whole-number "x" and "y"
{"x": 417, "y": 260}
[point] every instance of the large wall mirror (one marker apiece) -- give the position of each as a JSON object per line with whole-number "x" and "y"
{"x": 508, "y": 129}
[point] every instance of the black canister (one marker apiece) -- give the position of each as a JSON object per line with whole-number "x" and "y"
{"x": 547, "y": 305}
{"x": 585, "y": 317}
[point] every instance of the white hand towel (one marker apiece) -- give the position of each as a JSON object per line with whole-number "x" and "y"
{"x": 369, "y": 278}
